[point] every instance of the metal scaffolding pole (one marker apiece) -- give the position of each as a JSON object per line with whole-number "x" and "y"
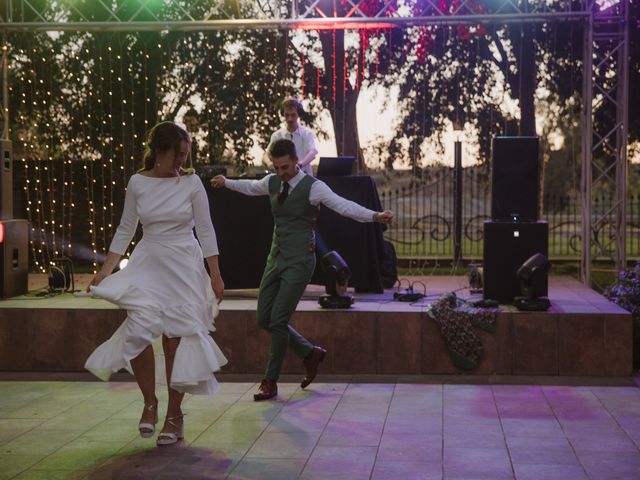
{"x": 604, "y": 144}
{"x": 587, "y": 119}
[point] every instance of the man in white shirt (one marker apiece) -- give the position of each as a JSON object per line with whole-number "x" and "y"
{"x": 303, "y": 138}
{"x": 295, "y": 199}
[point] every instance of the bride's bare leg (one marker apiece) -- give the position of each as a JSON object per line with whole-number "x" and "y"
{"x": 144, "y": 370}
{"x": 174, "y": 409}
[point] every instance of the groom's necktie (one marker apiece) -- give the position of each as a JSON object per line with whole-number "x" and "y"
{"x": 282, "y": 196}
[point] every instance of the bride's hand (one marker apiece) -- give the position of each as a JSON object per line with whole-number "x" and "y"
{"x": 96, "y": 280}
{"x": 218, "y": 287}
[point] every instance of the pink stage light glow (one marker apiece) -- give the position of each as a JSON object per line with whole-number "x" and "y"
{"x": 311, "y": 25}
{"x": 606, "y": 4}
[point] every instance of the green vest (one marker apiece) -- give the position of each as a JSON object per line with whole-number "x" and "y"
{"x": 293, "y": 234}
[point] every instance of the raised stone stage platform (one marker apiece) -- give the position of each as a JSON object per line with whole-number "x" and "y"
{"x": 583, "y": 334}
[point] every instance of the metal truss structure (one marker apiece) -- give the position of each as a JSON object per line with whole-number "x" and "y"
{"x": 605, "y": 63}
{"x": 201, "y": 15}
{"x": 604, "y": 143}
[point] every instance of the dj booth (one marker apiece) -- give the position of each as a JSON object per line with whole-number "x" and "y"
{"x": 244, "y": 226}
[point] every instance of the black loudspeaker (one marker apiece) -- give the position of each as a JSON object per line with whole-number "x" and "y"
{"x": 6, "y": 180}
{"x": 14, "y": 258}
{"x": 507, "y": 245}
{"x": 515, "y": 179}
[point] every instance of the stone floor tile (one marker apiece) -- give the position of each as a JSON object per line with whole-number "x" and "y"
{"x": 540, "y": 427}
{"x": 482, "y": 414}
{"x": 532, "y": 411}
{"x": 541, "y": 450}
{"x": 618, "y": 442}
{"x": 424, "y": 424}
{"x": 316, "y": 401}
{"x": 38, "y": 442}
{"x": 549, "y": 472}
{"x": 610, "y": 465}
{"x": 230, "y": 431}
{"x": 407, "y": 471}
{"x": 32, "y": 474}
{"x": 235, "y": 388}
{"x": 168, "y": 463}
{"x": 349, "y": 433}
{"x": 480, "y": 463}
{"x": 340, "y": 462}
{"x": 299, "y": 420}
{"x": 473, "y": 436}
{"x": 11, "y": 428}
{"x": 78, "y": 455}
{"x": 11, "y": 464}
{"x": 410, "y": 448}
{"x": 76, "y": 419}
{"x": 253, "y": 411}
{"x": 268, "y": 469}
{"x": 284, "y": 445}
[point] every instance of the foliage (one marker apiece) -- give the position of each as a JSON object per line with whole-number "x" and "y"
{"x": 626, "y": 293}
{"x": 471, "y": 74}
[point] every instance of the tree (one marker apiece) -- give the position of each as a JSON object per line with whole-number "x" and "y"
{"x": 470, "y": 72}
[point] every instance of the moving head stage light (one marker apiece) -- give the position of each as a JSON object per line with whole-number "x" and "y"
{"x": 532, "y": 276}
{"x": 337, "y": 275}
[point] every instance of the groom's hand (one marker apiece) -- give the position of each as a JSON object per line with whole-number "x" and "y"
{"x": 383, "y": 217}
{"x": 218, "y": 181}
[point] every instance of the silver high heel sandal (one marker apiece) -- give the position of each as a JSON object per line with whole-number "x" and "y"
{"x": 147, "y": 429}
{"x": 169, "y": 438}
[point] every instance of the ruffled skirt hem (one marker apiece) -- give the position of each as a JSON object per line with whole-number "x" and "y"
{"x": 196, "y": 359}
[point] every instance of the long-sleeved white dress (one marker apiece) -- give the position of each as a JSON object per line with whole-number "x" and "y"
{"x": 165, "y": 287}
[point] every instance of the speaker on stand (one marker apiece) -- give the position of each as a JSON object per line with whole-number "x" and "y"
{"x": 14, "y": 258}
{"x": 6, "y": 180}
{"x": 515, "y": 179}
{"x": 14, "y": 234}
{"x": 514, "y": 234}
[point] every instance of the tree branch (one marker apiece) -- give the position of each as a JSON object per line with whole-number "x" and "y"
{"x": 502, "y": 64}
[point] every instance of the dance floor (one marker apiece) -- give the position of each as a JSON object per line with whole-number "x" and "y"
{"x": 553, "y": 398}
{"x": 87, "y": 430}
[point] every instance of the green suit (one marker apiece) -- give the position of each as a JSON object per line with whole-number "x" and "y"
{"x": 288, "y": 271}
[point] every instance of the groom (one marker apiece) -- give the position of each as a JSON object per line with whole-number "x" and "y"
{"x": 295, "y": 200}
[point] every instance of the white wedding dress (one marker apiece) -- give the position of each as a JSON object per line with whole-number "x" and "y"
{"x": 165, "y": 287}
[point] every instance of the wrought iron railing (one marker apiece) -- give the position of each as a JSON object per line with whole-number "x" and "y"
{"x": 424, "y": 219}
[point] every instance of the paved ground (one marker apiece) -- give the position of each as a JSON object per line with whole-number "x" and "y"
{"x": 87, "y": 430}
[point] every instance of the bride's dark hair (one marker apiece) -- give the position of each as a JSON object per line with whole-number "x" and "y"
{"x": 162, "y": 137}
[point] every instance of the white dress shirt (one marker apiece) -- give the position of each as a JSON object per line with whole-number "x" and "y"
{"x": 304, "y": 140}
{"x": 319, "y": 194}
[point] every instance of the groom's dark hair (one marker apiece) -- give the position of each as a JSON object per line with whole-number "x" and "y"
{"x": 282, "y": 148}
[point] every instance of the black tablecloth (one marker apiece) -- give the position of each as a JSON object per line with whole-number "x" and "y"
{"x": 244, "y": 227}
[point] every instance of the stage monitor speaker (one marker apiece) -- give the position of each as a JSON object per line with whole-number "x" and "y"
{"x": 14, "y": 258}
{"x": 507, "y": 245}
{"x": 6, "y": 180}
{"x": 515, "y": 179}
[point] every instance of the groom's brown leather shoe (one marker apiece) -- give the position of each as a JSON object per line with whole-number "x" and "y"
{"x": 311, "y": 363}
{"x": 268, "y": 389}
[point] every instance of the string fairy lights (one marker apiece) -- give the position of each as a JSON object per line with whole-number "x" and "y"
{"x": 65, "y": 131}
{"x": 82, "y": 103}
